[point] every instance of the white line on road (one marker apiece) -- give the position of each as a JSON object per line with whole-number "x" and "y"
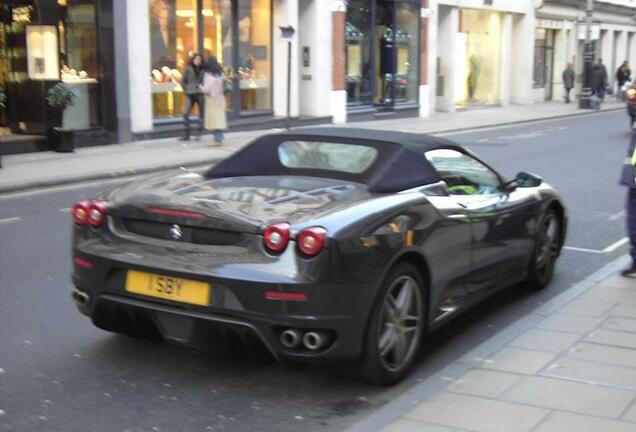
{"x": 10, "y": 220}
{"x": 572, "y": 248}
{"x": 66, "y": 210}
{"x": 614, "y": 246}
{"x": 610, "y": 248}
{"x": 617, "y": 216}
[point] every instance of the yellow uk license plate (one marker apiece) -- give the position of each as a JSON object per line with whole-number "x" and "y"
{"x": 168, "y": 287}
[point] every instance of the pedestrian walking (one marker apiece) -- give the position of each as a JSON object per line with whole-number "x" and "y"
{"x": 604, "y": 76}
{"x": 568, "y": 81}
{"x": 623, "y": 75}
{"x": 214, "y": 92}
{"x": 597, "y": 85}
{"x": 628, "y": 179}
{"x": 191, "y": 83}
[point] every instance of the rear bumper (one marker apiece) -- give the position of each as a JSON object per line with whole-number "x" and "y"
{"x": 337, "y": 309}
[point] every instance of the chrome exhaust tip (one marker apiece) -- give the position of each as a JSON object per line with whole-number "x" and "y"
{"x": 315, "y": 340}
{"x": 79, "y": 297}
{"x": 290, "y": 338}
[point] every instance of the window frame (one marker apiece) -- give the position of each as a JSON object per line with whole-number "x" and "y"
{"x": 502, "y": 183}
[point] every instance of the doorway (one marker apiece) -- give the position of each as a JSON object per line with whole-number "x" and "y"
{"x": 382, "y": 52}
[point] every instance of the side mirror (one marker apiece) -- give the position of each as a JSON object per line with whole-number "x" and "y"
{"x": 525, "y": 180}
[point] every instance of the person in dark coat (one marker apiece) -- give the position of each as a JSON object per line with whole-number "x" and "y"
{"x": 597, "y": 85}
{"x": 623, "y": 75}
{"x": 191, "y": 83}
{"x": 568, "y": 81}
{"x": 628, "y": 179}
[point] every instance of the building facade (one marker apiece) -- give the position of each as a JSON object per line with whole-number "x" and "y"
{"x": 347, "y": 60}
{"x": 560, "y": 37}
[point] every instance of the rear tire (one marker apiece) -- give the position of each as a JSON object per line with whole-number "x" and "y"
{"x": 395, "y": 327}
{"x": 546, "y": 251}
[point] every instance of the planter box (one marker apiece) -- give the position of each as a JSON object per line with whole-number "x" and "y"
{"x": 63, "y": 140}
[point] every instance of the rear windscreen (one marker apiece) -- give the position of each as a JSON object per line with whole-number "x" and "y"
{"x": 349, "y": 158}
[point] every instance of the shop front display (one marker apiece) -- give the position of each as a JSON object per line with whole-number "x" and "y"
{"x": 477, "y": 57}
{"x": 382, "y": 50}
{"x": 52, "y": 41}
{"x": 236, "y": 32}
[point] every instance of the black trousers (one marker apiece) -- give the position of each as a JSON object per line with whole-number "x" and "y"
{"x": 191, "y": 100}
{"x": 631, "y": 221}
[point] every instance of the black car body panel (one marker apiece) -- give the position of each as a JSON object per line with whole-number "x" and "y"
{"x": 465, "y": 248}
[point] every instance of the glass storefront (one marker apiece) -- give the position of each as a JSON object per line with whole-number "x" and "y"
{"x": 543, "y": 60}
{"x": 477, "y": 57}
{"x": 237, "y": 32}
{"x": 42, "y": 43}
{"x": 382, "y": 52}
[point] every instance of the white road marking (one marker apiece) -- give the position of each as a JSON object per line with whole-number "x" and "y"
{"x": 617, "y": 216}
{"x": 10, "y": 220}
{"x": 572, "y": 248}
{"x": 65, "y": 210}
{"x": 614, "y": 246}
{"x": 610, "y": 248}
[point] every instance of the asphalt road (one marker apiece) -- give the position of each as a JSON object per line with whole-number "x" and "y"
{"x": 59, "y": 373}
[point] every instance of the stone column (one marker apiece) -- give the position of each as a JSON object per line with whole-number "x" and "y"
{"x": 338, "y": 99}
{"x": 132, "y": 53}
{"x": 523, "y": 47}
{"x": 506, "y": 61}
{"x": 448, "y": 27}
{"x": 285, "y": 14}
{"x": 425, "y": 88}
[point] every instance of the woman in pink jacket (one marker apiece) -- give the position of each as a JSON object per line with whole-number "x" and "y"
{"x": 213, "y": 89}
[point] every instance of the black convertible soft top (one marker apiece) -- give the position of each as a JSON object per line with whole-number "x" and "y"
{"x": 400, "y": 163}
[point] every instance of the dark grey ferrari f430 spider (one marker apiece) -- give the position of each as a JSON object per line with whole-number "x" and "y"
{"x": 321, "y": 244}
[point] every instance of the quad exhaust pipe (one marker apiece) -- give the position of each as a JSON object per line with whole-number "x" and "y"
{"x": 79, "y": 297}
{"x": 315, "y": 340}
{"x": 290, "y": 338}
{"x": 311, "y": 340}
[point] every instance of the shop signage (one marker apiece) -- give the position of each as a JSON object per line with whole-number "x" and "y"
{"x": 595, "y": 34}
{"x": 21, "y": 14}
{"x": 554, "y": 24}
{"x": 306, "y": 56}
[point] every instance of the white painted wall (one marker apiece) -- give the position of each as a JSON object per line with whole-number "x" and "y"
{"x": 137, "y": 50}
{"x": 448, "y": 27}
{"x": 523, "y": 48}
{"x": 432, "y": 60}
{"x": 632, "y": 54}
{"x": 507, "y": 59}
{"x": 285, "y": 14}
{"x": 315, "y": 80}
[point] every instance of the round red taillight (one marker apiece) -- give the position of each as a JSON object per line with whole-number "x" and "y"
{"x": 96, "y": 213}
{"x": 311, "y": 241}
{"x": 276, "y": 237}
{"x": 80, "y": 212}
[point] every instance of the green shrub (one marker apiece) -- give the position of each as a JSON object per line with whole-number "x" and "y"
{"x": 60, "y": 96}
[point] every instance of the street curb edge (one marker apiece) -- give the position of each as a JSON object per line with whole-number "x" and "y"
{"x": 441, "y": 379}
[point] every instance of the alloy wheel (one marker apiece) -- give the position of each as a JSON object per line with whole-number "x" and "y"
{"x": 548, "y": 246}
{"x": 400, "y": 327}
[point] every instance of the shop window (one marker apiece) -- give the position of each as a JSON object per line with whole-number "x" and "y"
{"x": 538, "y": 72}
{"x": 254, "y": 55}
{"x": 407, "y": 71}
{"x": 175, "y": 34}
{"x": 358, "y": 53}
{"x": 217, "y": 38}
{"x": 173, "y": 39}
{"x": 477, "y": 57}
{"x": 80, "y": 70}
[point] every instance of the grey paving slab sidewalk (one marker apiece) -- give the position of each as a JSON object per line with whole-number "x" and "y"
{"x": 568, "y": 366}
{"x": 34, "y": 170}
